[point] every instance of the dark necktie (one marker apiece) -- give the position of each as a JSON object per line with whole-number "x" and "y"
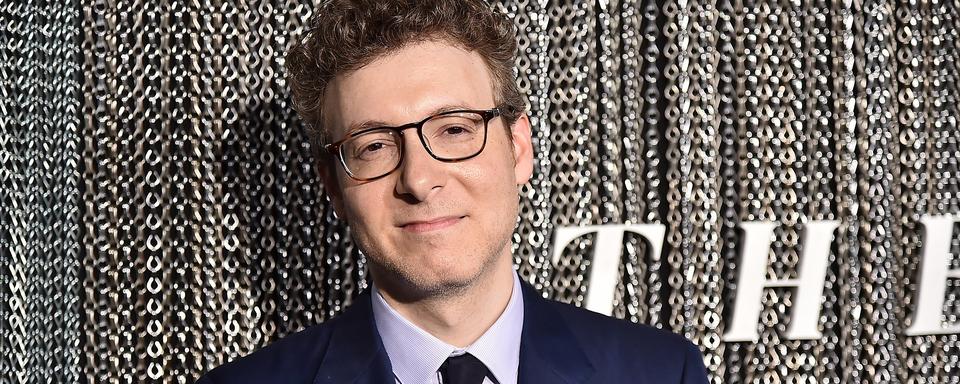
{"x": 463, "y": 369}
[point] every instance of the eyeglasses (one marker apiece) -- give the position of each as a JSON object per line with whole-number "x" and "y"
{"x": 372, "y": 153}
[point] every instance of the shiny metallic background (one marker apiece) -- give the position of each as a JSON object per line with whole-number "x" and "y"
{"x": 160, "y": 214}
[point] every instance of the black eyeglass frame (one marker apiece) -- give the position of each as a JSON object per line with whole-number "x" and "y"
{"x": 335, "y": 148}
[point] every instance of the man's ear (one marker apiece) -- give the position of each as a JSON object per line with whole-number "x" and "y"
{"x": 522, "y": 149}
{"x": 331, "y": 184}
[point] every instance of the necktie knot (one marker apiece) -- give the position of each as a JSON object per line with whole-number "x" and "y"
{"x": 463, "y": 369}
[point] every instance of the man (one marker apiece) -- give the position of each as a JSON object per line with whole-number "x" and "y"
{"x": 425, "y": 144}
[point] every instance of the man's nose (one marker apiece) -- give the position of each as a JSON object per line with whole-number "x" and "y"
{"x": 420, "y": 175}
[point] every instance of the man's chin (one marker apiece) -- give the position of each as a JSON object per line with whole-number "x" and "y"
{"x": 418, "y": 287}
{"x": 446, "y": 287}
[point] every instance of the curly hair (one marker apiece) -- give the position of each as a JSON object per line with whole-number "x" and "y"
{"x": 345, "y": 35}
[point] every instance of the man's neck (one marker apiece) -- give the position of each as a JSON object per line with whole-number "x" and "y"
{"x": 461, "y": 319}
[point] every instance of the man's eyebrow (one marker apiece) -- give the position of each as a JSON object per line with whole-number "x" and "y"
{"x": 366, "y": 124}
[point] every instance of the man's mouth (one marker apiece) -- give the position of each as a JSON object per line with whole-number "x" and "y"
{"x": 429, "y": 225}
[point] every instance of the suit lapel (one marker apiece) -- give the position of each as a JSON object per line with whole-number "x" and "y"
{"x": 549, "y": 352}
{"x": 355, "y": 353}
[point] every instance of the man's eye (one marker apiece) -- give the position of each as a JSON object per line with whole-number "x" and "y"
{"x": 455, "y": 130}
{"x": 372, "y": 149}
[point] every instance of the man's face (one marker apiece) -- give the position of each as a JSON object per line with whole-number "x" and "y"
{"x": 430, "y": 227}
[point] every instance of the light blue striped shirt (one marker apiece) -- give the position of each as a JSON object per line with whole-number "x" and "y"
{"x": 417, "y": 355}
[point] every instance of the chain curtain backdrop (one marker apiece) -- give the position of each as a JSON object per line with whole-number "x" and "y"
{"x": 160, "y": 213}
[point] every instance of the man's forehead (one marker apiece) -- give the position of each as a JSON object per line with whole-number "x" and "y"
{"x": 408, "y": 84}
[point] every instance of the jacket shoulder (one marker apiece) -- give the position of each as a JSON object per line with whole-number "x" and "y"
{"x": 617, "y": 345}
{"x": 606, "y": 328}
{"x": 294, "y": 359}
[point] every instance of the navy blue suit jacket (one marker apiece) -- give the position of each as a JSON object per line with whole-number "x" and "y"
{"x": 560, "y": 343}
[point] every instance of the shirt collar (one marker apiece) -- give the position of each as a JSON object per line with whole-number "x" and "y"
{"x": 416, "y": 355}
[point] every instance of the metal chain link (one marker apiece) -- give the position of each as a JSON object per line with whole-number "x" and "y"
{"x": 40, "y": 272}
{"x": 876, "y": 180}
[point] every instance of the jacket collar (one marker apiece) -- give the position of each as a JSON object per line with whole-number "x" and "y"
{"x": 355, "y": 353}
{"x": 549, "y": 351}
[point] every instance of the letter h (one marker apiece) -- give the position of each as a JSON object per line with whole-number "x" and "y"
{"x": 758, "y": 236}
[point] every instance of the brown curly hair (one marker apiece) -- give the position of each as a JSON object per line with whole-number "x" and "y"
{"x": 345, "y": 35}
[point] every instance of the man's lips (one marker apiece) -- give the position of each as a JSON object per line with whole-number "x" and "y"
{"x": 421, "y": 226}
